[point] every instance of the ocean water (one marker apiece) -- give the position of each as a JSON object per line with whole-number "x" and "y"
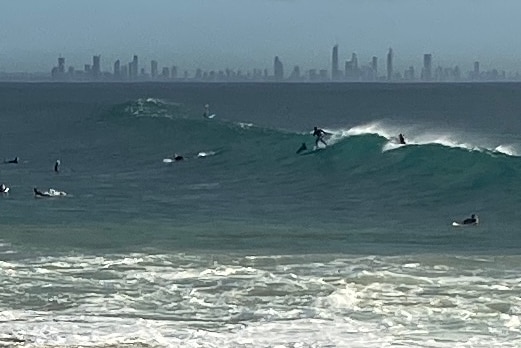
{"x": 246, "y": 243}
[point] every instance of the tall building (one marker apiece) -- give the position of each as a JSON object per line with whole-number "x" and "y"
{"x": 117, "y": 69}
{"x": 278, "y": 69}
{"x": 335, "y": 72}
{"x": 61, "y": 65}
{"x": 96, "y": 67}
{"x": 374, "y": 66}
{"x": 476, "y": 72}
{"x": 390, "y": 64}
{"x": 133, "y": 68}
{"x": 427, "y": 67}
{"x": 352, "y": 69}
{"x": 153, "y": 69}
{"x": 130, "y": 70}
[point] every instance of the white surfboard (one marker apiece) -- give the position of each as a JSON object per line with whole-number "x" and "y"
{"x": 212, "y": 116}
{"x": 458, "y": 224}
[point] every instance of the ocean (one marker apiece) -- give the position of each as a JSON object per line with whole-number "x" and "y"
{"x": 246, "y": 243}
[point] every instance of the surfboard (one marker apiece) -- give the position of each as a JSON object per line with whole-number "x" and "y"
{"x": 312, "y": 151}
{"x": 459, "y": 224}
{"x": 212, "y": 116}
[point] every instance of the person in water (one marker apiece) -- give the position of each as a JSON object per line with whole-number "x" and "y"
{"x": 40, "y": 193}
{"x": 473, "y": 219}
{"x": 401, "y": 139}
{"x": 206, "y": 112}
{"x": 319, "y": 133}
{"x": 302, "y": 147}
{"x": 57, "y": 166}
{"x": 3, "y": 188}
{"x": 178, "y": 157}
{"x": 14, "y": 160}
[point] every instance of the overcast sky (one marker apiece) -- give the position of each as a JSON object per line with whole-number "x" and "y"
{"x": 215, "y": 34}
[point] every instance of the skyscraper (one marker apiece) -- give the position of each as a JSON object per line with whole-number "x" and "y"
{"x": 352, "y": 70}
{"x": 335, "y": 73}
{"x": 61, "y": 65}
{"x": 374, "y": 66}
{"x": 117, "y": 69}
{"x": 476, "y": 72}
{"x": 390, "y": 65}
{"x": 96, "y": 67}
{"x": 427, "y": 67}
{"x": 134, "y": 66}
{"x": 278, "y": 69}
{"x": 153, "y": 69}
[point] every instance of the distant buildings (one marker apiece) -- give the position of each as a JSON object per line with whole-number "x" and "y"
{"x": 335, "y": 72}
{"x": 427, "y": 67}
{"x": 278, "y": 69}
{"x": 353, "y": 71}
{"x": 96, "y": 67}
{"x": 390, "y": 65}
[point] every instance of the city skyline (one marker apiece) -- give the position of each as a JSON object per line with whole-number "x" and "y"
{"x": 247, "y": 33}
{"x": 339, "y": 70}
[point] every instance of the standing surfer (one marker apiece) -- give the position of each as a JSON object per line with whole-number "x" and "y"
{"x": 319, "y": 133}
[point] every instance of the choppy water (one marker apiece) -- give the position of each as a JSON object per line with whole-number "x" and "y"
{"x": 247, "y": 244}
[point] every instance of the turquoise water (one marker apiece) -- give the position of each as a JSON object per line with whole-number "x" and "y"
{"x": 347, "y": 246}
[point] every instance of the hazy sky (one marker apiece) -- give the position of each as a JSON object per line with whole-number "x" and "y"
{"x": 215, "y": 34}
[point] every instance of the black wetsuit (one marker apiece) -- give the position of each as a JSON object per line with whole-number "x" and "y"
{"x": 319, "y": 133}
{"x": 39, "y": 193}
{"x": 469, "y": 221}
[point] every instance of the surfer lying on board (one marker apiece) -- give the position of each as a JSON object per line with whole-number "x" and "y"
{"x": 14, "y": 160}
{"x": 40, "y": 193}
{"x": 401, "y": 139}
{"x": 319, "y": 133}
{"x": 472, "y": 220}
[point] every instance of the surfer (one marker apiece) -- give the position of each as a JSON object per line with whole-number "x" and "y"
{"x": 401, "y": 139}
{"x": 206, "y": 112}
{"x": 472, "y": 220}
{"x": 319, "y": 133}
{"x": 178, "y": 157}
{"x": 14, "y": 160}
{"x": 57, "y": 166}
{"x": 40, "y": 193}
{"x": 302, "y": 147}
{"x": 4, "y": 189}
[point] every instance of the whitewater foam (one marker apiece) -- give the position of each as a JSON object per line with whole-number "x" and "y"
{"x": 187, "y": 300}
{"x": 418, "y": 135}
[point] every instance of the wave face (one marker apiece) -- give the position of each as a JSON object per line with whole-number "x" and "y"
{"x": 363, "y": 181}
